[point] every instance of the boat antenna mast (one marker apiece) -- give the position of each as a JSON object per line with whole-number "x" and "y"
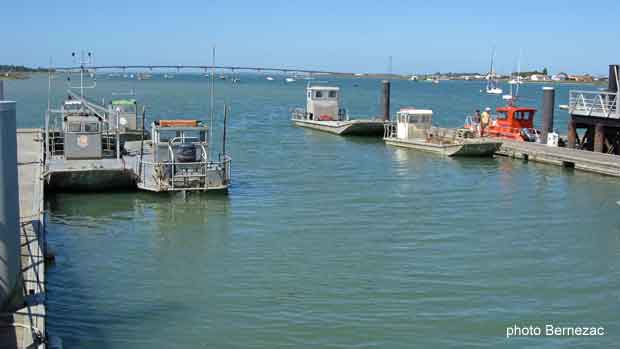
{"x": 211, "y": 95}
{"x": 85, "y": 61}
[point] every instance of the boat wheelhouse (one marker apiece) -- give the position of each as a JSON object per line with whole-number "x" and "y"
{"x": 177, "y": 159}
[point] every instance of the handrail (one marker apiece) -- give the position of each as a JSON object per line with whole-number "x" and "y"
{"x": 594, "y": 103}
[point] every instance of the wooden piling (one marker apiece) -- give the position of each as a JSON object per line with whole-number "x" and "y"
{"x": 599, "y": 138}
{"x": 572, "y": 133}
{"x": 385, "y": 100}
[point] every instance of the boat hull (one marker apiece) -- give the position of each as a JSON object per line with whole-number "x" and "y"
{"x": 359, "y": 127}
{"x": 467, "y": 148}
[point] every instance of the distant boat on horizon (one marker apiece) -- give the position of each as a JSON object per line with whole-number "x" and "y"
{"x": 269, "y": 78}
{"x": 288, "y": 80}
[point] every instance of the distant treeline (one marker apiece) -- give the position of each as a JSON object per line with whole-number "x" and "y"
{"x": 21, "y": 69}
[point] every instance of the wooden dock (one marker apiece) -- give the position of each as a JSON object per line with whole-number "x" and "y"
{"x": 26, "y": 327}
{"x": 606, "y": 164}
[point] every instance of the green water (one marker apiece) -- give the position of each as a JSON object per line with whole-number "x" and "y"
{"x": 331, "y": 242}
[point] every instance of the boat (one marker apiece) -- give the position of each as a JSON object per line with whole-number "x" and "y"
{"x": 492, "y": 87}
{"x": 289, "y": 80}
{"x": 516, "y": 81}
{"x": 168, "y": 76}
{"x": 269, "y": 78}
{"x": 510, "y": 122}
{"x": 413, "y": 129}
{"x": 144, "y": 76}
{"x": 323, "y": 113}
{"x": 177, "y": 158}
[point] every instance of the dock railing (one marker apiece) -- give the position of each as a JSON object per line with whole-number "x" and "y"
{"x": 600, "y": 104}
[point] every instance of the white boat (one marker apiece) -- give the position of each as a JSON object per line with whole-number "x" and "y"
{"x": 492, "y": 83}
{"x": 323, "y": 113}
{"x": 289, "y": 80}
{"x": 269, "y": 78}
{"x": 413, "y": 129}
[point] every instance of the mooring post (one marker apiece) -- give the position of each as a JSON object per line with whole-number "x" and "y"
{"x": 612, "y": 84}
{"x": 572, "y": 133}
{"x": 599, "y": 138}
{"x": 10, "y": 266}
{"x": 385, "y": 100}
{"x": 548, "y": 106}
{"x": 1, "y": 90}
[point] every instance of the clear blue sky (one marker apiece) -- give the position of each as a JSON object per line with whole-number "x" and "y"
{"x": 422, "y": 36}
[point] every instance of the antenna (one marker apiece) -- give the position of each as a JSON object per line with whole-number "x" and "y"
{"x": 85, "y": 60}
{"x": 212, "y": 97}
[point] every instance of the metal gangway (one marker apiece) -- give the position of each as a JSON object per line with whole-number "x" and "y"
{"x": 600, "y": 104}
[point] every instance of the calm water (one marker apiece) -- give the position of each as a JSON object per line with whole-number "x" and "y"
{"x": 330, "y": 242}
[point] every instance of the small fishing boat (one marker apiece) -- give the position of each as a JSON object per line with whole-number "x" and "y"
{"x": 177, "y": 159}
{"x": 511, "y": 122}
{"x": 323, "y": 113}
{"x": 269, "y": 78}
{"x": 413, "y": 129}
{"x": 289, "y": 80}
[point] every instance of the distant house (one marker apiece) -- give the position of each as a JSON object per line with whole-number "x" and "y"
{"x": 583, "y": 78}
{"x": 539, "y": 77}
{"x": 559, "y": 77}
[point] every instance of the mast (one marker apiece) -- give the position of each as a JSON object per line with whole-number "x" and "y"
{"x": 212, "y": 98}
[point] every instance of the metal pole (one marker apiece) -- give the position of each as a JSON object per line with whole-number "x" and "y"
{"x": 212, "y": 100}
{"x": 141, "y": 142}
{"x": 385, "y": 100}
{"x": 118, "y": 141}
{"x": 10, "y": 265}
{"x": 1, "y": 90}
{"x": 548, "y": 106}
{"x": 224, "y": 132}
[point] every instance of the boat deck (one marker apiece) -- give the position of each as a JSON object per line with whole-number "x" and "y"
{"x": 584, "y": 160}
{"x": 26, "y": 327}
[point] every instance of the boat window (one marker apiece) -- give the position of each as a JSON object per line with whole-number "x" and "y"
{"x": 91, "y": 127}
{"x": 502, "y": 116}
{"x": 318, "y": 94}
{"x": 309, "y": 94}
{"x": 75, "y": 127}
{"x": 332, "y": 94}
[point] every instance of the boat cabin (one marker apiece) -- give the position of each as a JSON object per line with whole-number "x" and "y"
{"x": 323, "y": 103}
{"x": 413, "y": 123}
{"x": 179, "y": 141}
{"x": 513, "y": 122}
{"x": 124, "y": 114}
{"x": 82, "y": 137}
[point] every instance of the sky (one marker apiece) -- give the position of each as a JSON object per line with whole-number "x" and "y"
{"x": 338, "y": 35}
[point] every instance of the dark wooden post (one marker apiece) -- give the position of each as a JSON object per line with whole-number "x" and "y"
{"x": 599, "y": 138}
{"x": 572, "y": 132}
{"x": 385, "y": 100}
{"x": 548, "y": 106}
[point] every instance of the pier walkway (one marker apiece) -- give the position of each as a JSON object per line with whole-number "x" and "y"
{"x": 607, "y": 164}
{"x": 26, "y": 327}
